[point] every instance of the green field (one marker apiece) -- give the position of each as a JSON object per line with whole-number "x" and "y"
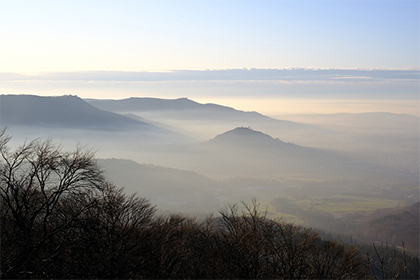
{"x": 346, "y": 203}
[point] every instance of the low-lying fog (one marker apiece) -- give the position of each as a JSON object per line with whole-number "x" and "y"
{"x": 182, "y": 135}
{"x": 197, "y": 158}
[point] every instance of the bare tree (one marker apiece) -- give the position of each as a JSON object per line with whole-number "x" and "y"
{"x": 61, "y": 219}
{"x": 254, "y": 246}
{"x": 113, "y": 237}
{"x": 34, "y": 181}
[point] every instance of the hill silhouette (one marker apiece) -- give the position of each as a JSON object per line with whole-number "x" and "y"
{"x": 146, "y": 104}
{"x": 246, "y": 152}
{"x": 256, "y": 142}
{"x": 393, "y": 225}
{"x": 206, "y": 120}
{"x": 169, "y": 188}
{"x": 245, "y": 136}
{"x": 61, "y": 112}
{"x": 184, "y": 108}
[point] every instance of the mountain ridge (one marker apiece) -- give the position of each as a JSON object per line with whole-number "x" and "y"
{"x": 61, "y": 111}
{"x": 246, "y": 135}
{"x": 150, "y": 104}
{"x": 175, "y": 107}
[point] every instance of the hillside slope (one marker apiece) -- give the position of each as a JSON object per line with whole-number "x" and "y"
{"x": 394, "y": 226}
{"x": 264, "y": 153}
{"x": 61, "y": 112}
{"x": 169, "y": 188}
{"x": 203, "y": 120}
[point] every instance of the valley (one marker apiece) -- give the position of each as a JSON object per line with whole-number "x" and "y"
{"x": 327, "y": 172}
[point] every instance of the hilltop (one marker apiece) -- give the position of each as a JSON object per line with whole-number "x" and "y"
{"x": 61, "y": 112}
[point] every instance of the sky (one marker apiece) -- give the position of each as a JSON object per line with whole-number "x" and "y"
{"x": 216, "y": 51}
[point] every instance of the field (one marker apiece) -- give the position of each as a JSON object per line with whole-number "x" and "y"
{"x": 347, "y": 203}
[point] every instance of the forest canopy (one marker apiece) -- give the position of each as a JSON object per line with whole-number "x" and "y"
{"x": 60, "y": 218}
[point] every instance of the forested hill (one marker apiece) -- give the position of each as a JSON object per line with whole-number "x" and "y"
{"x": 61, "y": 112}
{"x": 393, "y": 226}
{"x": 60, "y": 218}
{"x": 187, "y": 109}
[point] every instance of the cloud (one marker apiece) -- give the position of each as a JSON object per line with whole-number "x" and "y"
{"x": 303, "y": 83}
{"x": 275, "y": 75}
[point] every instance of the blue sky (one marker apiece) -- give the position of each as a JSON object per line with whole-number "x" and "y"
{"x": 157, "y": 35}
{"x": 41, "y": 38}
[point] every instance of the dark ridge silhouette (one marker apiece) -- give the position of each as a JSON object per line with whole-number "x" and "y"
{"x": 245, "y": 135}
{"x": 234, "y": 148}
{"x": 62, "y": 219}
{"x": 145, "y": 104}
{"x": 184, "y": 108}
{"x": 253, "y": 141}
{"x": 168, "y": 187}
{"x": 61, "y": 112}
{"x": 393, "y": 226}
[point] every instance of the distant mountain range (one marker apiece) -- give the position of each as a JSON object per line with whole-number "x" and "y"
{"x": 243, "y": 150}
{"x": 150, "y": 104}
{"x": 62, "y": 112}
{"x": 184, "y": 108}
{"x": 247, "y": 152}
{"x": 206, "y": 120}
{"x": 239, "y": 154}
{"x": 174, "y": 116}
{"x": 147, "y": 104}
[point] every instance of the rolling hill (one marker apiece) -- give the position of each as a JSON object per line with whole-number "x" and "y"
{"x": 140, "y": 104}
{"x": 184, "y": 108}
{"x": 250, "y": 153}
{"x": 255, "y": 145}
{"x": 393, "y": 225}
{"x": 169, "y": 188}
{"x": 203, "y": 120}
{"x": 62, "y": 112}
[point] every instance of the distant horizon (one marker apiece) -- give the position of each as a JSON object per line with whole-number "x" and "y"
{"x": 272, "y": 92}
{"x": 275, "y": 57}
{"x": 249, "y": 105}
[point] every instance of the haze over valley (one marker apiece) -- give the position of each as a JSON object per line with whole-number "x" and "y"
{"x": 210, "y": 139}
{"x": 196, "y": 158}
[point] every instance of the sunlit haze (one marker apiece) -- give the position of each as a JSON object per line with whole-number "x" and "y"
{"x": 209, "y": 139}
{"x": 49, "y": 38}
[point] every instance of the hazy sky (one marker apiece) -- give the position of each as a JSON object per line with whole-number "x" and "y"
{"x": 68, "y": 38}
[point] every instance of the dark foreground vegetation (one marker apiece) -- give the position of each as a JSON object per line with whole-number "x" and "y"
{"x": 61, "y": 219}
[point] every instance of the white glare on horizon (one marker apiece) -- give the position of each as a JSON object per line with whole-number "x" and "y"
{"x": 281, "y": 108}
{"x": 77, "y": 47}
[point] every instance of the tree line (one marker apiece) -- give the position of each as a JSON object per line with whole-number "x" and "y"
{"x": 60, "y": 218}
